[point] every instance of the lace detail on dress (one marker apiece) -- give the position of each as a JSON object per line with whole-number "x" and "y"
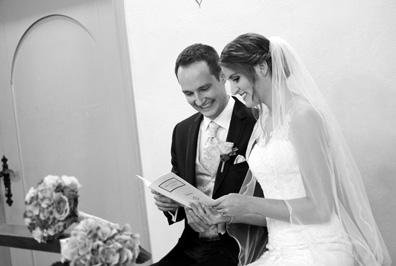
{"x": 274, "y": 164}
{"x": 283, "y": 131}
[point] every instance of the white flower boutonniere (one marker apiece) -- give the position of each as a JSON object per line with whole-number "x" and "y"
{"x": 227, "y": 150}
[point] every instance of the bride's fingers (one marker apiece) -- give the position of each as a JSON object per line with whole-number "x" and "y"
{"x": 216, "y": 203}
{"x": 219, "y": 209}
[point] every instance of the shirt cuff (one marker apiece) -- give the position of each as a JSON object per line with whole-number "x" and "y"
{"x": 174, "y": 215}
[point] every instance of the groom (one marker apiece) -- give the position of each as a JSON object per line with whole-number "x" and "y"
{"x": 203, "y": 85}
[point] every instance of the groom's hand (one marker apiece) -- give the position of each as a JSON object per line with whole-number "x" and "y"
{"x": 212, "y": 216}
{"x": 194, "y": 218}
{"x": 165, "y": 204}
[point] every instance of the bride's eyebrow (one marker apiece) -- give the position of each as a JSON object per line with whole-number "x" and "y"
{"x": 232, "y": 76}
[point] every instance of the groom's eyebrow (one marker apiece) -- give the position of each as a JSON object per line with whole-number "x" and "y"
{"x": 204, "y": 86}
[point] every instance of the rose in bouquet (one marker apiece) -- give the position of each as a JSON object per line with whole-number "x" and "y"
{"x": 51, "y": 207}
{"x": 93, "y": 242}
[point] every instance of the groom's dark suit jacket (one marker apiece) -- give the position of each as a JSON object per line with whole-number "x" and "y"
{"x": 184, "y": 153}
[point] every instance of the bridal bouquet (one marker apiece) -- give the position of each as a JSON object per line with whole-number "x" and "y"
{"x": 51, "y": 207}
{"x": 96, "y": 243}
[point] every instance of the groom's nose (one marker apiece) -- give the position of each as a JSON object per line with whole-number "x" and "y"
{"x": 199, "y": 100}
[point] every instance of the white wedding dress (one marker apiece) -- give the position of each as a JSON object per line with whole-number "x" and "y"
{"x": 275, "y": 166}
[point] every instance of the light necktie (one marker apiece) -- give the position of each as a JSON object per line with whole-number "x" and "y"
{"x": 211, "y": 154}
{"x": 210, "y": 161}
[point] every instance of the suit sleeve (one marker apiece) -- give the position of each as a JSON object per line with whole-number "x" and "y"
{"x": 180, "y": 214}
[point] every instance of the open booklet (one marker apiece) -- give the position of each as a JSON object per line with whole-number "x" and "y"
{"x": 176, "y": 188}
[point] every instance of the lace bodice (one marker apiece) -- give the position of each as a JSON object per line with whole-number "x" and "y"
{"x": 273, "y": 162}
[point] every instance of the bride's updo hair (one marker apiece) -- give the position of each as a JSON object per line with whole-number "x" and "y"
{"x": 245, "y": 52}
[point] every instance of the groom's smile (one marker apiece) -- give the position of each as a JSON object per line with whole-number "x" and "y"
{"x": 203, "y": 91}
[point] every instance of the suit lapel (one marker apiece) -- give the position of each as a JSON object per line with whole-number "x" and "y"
{"x": 191, "y": 155}
{"x": 235, "y": 132}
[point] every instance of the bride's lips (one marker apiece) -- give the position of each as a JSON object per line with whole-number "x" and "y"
{"x": 243, "y": 95}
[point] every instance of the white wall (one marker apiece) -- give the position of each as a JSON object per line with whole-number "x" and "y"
{"x": 348, "y": 45}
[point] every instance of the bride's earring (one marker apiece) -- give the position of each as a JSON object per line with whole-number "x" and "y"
{"x": 263, "y": 69}
{"x": 223, "y": 77}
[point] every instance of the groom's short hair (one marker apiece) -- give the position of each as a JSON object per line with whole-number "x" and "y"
{"x": 199, "y": 52}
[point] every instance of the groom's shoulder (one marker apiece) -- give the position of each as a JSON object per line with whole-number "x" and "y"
{"x": 187, "y": 122}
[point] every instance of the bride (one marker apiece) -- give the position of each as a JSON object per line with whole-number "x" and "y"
{"x": 315, "y": 206}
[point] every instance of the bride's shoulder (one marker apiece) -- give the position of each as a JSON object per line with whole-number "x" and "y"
{"x": 303, "y": 114}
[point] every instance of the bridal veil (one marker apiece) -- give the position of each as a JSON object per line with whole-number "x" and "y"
{"x": 331, "y": 179}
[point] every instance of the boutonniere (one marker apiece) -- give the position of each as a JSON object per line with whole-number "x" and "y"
{"x": 227, "y": 150}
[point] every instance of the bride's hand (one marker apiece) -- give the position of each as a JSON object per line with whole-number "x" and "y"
{"x": 232, "y": 204}
{"x": 210, "y": 216}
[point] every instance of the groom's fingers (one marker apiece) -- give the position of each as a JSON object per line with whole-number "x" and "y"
{"x": 167, "y": 207}
{"x": 195, "y": 218}
{"x": 197, "y": 208}
{"x": 211, "y": 216}
{"x": 164, "y": 200}
{"x": 208, "y": 215}
{"x": 195, "y": 222}
{"x": 215, "y": 217}
{"x": 198, "y": 211}
{"x": 164, "y": 203}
